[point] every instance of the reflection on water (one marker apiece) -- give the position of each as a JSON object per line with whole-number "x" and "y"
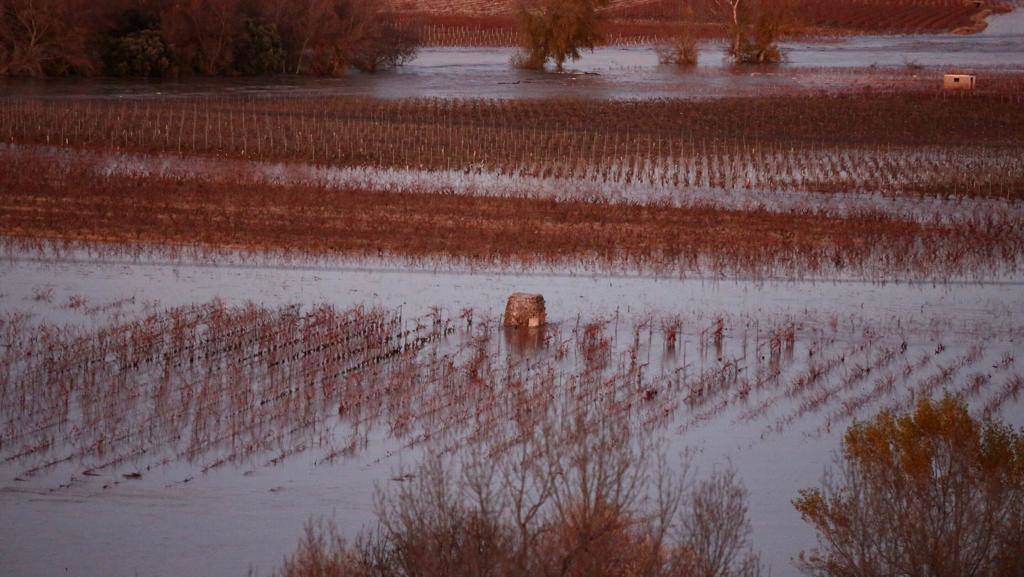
{"x": 526, "y": 342}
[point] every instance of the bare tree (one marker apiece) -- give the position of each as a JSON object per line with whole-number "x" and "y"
{"x": 931, "y": 493}
{"x": 203, "y": 33}
{"x": 736, "y": 16}
{"x": 384, "y": 43}
{"x": 308, "y": 28}
{"x": 328, "y": 37}
{"x": 717, "y": 530}
{"x": 583, "y": 498}
{"x": 45, "y": 37}
{"x": 755, "y": 27}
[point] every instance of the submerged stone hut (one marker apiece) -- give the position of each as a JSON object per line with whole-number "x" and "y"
{"x": 525, "y": 310}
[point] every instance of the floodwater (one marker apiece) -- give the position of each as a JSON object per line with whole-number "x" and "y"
{"x": 237, "y": 516}
{"x": 223, "y": 521}
{"x": 623, "y": 72}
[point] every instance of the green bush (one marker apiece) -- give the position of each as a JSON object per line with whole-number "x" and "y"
{"x": 142, "y": 54}
{"x": 260, "y": 50}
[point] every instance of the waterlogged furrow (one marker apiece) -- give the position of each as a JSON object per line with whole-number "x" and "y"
{"x": 213, "y": 385}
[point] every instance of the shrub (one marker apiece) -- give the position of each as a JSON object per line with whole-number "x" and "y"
{"x": 360, "y": 34}
{"x": 935, "y": 492}
{"x": 385, "y": 44}
{"x": 755, "y": 27}
{"x": 587, "y": 501}
{"x": 681, "y": 48}
{"x": 557, "y": 30}
{"x": 203, "y": 34}
{"x": 141, "y": 54}
{"x": 259, "y": 50}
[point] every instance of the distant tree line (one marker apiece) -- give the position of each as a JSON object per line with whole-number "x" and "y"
{"x": 558, "y": 30}
{"x": 166, "y": 38}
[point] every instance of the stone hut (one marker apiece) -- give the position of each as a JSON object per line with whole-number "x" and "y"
{"x": 959, "y": 81}
{"x": 525, "y": 310}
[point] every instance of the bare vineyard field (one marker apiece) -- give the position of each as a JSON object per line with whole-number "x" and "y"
{"x": 445, "y": 30}
{"x": 865, "y": 142}
{"x": 217, "y": 386}
{"x": 44, "y": 204}
{"x": 486, "y": 23}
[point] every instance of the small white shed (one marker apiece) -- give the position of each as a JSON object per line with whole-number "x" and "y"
{"x": 959, "y": 81}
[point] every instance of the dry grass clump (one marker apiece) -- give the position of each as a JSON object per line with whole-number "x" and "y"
{"x": 579, "y": 499}
{"x": 45, "y": 200}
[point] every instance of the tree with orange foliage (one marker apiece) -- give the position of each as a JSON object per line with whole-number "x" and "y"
{"x": 935, "y": 492}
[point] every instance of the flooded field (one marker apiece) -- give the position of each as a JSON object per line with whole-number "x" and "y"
{"x": 230, "y": 306}
{"x": 755, "y": 372}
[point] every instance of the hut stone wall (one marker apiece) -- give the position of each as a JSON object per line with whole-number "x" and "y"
{"x": 525, "y": 310}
